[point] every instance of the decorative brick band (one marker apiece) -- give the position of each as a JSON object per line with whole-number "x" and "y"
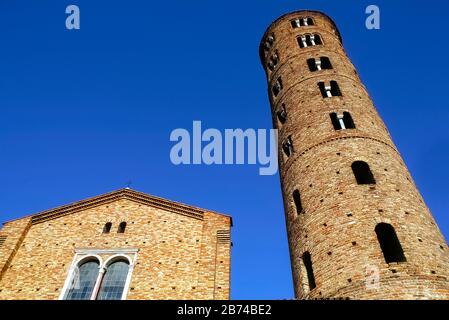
{"x": 2, "y": 240}
{"x": 303, "y": 152}
{"x": 280, "y": 98}
{"x": 129, "y": 194}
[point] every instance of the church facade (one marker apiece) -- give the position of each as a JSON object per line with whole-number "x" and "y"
{"x": 120, "y": 245}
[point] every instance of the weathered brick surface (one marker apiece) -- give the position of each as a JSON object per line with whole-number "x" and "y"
{"x": 179, "y": 257}
{"x": 337, "y": 226}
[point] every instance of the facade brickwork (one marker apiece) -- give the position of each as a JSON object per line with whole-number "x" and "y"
{"x": 180, "y": 252}
{"x": 339, "y": 217}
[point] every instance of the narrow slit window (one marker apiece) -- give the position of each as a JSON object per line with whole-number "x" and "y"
{"x": 277, "y": 87}
{"x": 389, "y": 243}
{"x": 297, "y": 201}
{"x": 107, "y": 227}
{"x": 287, "y": 146}
{"x": 282, "y": 114}
{"x": 362, "y": 173}
{"x": 121, "y": 227}
{"x": 307, "y": 261}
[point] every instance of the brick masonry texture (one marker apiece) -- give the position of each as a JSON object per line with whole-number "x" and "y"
{"x": 183, "y": 252}
{"x": 338, "y": 224}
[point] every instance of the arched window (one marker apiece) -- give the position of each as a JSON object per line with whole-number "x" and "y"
{"x": 307, "y": 261}
{"x": 282, "y": 114}
{"x": 274, "y": 60}
{"x": 121, "y": 227}
{"x": 301, "y": 22}
{"x": 329, "y": 90}
{"x": 269, "y": 42}
{"x": 114, "y": 281}
{"x": 107, "y": 227}
{"x": 309, "y": 40}
{"x": 298, "y": 203}
{"x": 277, "y": 87}
{"x": 287, "y": 147}
{"x": 363, "y": 173}
{"x": 84, "y": 279}
{"x": 389, "y": 243}
{"x": 318, "y": 64}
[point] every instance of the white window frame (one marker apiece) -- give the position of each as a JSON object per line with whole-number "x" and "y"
{"x": 109, "y": 256}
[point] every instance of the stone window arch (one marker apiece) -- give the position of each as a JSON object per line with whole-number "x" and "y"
{"x": 114, "y": 279}
{"x": 109, "y": 281}
{"x": 83, "y": 279}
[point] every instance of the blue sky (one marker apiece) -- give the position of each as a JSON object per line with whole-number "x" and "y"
{"x": 82, "y": 112}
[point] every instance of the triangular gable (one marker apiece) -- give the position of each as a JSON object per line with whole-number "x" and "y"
{"x": 128, "y": 194}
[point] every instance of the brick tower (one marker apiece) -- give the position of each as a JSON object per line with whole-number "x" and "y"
{"x": 357, "y": 226}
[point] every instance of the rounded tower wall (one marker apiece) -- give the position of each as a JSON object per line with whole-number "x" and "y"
{"x": 337, "y": 219}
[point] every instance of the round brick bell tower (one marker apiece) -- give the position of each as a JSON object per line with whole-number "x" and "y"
{"x": 357, "y": 226}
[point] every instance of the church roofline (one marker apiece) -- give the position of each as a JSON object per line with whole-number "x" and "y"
{"x": 129, "y": 194}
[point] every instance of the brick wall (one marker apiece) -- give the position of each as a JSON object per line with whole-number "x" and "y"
{"x": 179, "y": 254}
{"x": 338, "y": 224}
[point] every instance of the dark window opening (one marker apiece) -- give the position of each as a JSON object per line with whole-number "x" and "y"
{"x": 316, "y": 40}
{"x": 107, "y": 227}
{"x": 326, "y": 63}
{"x": 307, "y": 260}
{"x": 287, "y": 146}
{"x": 274, "y": 60}
{"x": 319, "y": 64}
{"x": 309, "y": 40}
{"x": 312, "y": 63}
{"x": 269, "y": 43}
{"x": 389, "y": 243}
{"x": 298, "y": 203}
{"x": 335, "y": 121}
{"x": 282, "y": 114}
{"x": 302, "y": 22}
{"x": 121, "y": 227}
{"x": 362, "y": 173}
{"x": 347, "y": 120}
{"x": 331, "y": 90}
{"x": 341, "y": 122}
{"x": 277, "y": 87}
